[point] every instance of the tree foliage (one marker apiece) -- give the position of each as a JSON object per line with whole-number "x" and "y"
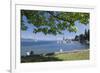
{"x": 53, "y": 22}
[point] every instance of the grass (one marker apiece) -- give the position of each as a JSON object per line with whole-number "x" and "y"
{"x": 82, "y": 55}
{"x": 78, "y": 55}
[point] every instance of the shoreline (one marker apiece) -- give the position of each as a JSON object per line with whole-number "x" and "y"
{"x": 58, "y": 52}
{"x": 64, "y": 56}
{"x": 73, "y": 51}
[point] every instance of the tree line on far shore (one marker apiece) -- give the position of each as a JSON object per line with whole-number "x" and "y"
{"x": 83, "y": 38}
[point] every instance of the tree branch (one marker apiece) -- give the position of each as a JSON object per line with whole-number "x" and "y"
{"x": 57, "y": 16}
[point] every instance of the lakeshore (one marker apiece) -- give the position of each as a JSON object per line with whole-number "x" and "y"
{"x": 64, "y": 56}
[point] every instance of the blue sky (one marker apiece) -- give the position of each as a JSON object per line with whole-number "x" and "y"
{"x": 28, "y": 34}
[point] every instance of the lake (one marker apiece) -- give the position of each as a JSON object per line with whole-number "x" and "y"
{"x": 44, "y": 47}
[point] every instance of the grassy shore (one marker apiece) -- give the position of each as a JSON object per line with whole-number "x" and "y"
{"x": 74, "y": 55}
{"x": 77, "y": 55}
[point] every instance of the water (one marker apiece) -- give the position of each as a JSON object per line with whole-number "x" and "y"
{"x": 43, "y": 47}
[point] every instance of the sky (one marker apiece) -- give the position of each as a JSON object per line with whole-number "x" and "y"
{"x": 28, "y": 34}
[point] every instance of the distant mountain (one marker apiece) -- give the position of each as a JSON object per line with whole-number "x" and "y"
{"x": 23, "y": 39}
{"x": 28, "y": 39}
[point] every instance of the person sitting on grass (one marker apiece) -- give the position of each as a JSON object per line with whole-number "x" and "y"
{"x": 30, "y": 53}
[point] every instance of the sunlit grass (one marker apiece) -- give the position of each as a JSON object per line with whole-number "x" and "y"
{"x": 82, "y": 55}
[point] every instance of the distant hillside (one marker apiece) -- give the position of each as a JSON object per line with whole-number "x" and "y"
{"x": 23, "y": 39}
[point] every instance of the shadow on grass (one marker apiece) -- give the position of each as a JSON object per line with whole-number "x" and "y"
{"x": 38, "y": 58}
